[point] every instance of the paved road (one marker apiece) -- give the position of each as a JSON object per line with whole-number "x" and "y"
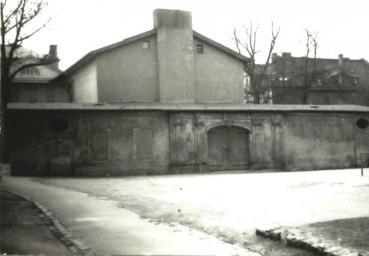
{"x": 23, "y": 231}
{"x": 108, "y": 229}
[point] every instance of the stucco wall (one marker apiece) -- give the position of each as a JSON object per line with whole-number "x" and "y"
{"x": 176, "y": 64}
{"x": 129, "y": 73}
{"x": 95, "y": 143}
{"x": 85, "y": 84}
{"x": 39, "y": 93}
{"x": 320, "y": 141}
{"x": 218, "y": 76}
{"x": 138, "y": 142}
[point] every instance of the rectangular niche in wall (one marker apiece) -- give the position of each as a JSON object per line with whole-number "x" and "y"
{"x": 59, "y": 157}
{"x": 143, "y": 143}
{"x": 100, "y": 145}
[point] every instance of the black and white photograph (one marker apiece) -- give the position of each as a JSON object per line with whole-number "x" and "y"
{"x": 183, "y": 127}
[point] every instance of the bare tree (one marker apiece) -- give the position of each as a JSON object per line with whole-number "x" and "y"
{"x": 294, "y": 77}
{"x": 18, "y": 21}
{"x": 259, "y": 89}
{"x": 309, "y": 69}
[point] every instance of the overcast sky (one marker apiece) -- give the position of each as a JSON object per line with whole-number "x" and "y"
{"x": 80, "y": 26}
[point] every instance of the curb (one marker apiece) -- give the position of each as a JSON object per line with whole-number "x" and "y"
{"x": 307, "y": 242}
{"x": 56, "y": 228}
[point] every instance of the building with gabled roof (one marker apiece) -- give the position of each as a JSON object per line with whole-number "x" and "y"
{"x": 330, "y": 81}
{"x": 171, "y": 63}
{"x": 33, "y": 84}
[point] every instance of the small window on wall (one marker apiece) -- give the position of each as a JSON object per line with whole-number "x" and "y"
{"x": 200, "y": 48}
{"x": 33, "y": 71}
{"x": 59, "y": 125}
{"x": 146, "y": 45}
{"x": 362, "y": 123}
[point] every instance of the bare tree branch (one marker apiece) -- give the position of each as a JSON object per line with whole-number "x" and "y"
{"x": 9, "y": 16}
{"x": 309, "y": 69}
{"x": 260, "y": 88}
{"x": 44, "y": 61}
{"x": 14, "y": 23}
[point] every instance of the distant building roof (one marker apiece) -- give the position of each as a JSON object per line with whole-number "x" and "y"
{"x": 354, "y": 68}
{"x": 23, "y": 52}
{"x": 186, "y": 107}
{"x": 91, "y": 55}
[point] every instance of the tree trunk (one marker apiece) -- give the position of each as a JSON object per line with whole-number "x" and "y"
{"x": 5, "y": 83}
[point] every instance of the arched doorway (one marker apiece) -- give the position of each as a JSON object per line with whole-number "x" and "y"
{"x": 228, "y": 148}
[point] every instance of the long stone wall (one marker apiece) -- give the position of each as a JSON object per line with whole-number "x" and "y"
{"x": 104, "y": 143}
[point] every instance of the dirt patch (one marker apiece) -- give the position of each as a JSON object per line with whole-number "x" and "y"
{"x": 352, "y": 233}
{"x": 337, "y": 237}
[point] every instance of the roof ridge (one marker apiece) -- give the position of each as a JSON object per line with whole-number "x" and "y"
{"x": 220, "y": 46}
{"x": 92, "y": 54}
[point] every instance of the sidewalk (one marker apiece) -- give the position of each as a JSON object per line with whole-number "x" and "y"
{"x": 24, "y": 229}
{"x": 110, "y": 229}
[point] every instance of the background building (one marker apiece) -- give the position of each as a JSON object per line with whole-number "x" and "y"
{"x": 171, "y": 63}
{"x": 33, "y": 84}
{"x": 300, "y": 80}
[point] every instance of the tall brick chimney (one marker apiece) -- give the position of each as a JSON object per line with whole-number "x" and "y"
{"x": 175, "y": 55}
{"x": 53, "y": 55}
{"x": 274, "y": 57}
{"x": 340, "y": 59}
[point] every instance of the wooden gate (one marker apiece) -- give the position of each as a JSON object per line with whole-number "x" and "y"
{"x": 228, "y": 148}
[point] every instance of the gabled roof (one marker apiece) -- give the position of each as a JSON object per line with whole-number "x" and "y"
{"x": 23, "y": 54}
{"x": 92, "y": 55}
{"x": 35, "y": 60}
{"x": 220, "y": 47}
{"x": 327, "y": 68}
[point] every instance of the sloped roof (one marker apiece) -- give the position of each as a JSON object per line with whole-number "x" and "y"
{"x": 23, "y": 52}
{"x": 187, "y": 107}
{"x": 220, "y": 47}
{"x": 35, "y": 60}
{"x": 354, "y": 68}
{"x": 92, "y": 55}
